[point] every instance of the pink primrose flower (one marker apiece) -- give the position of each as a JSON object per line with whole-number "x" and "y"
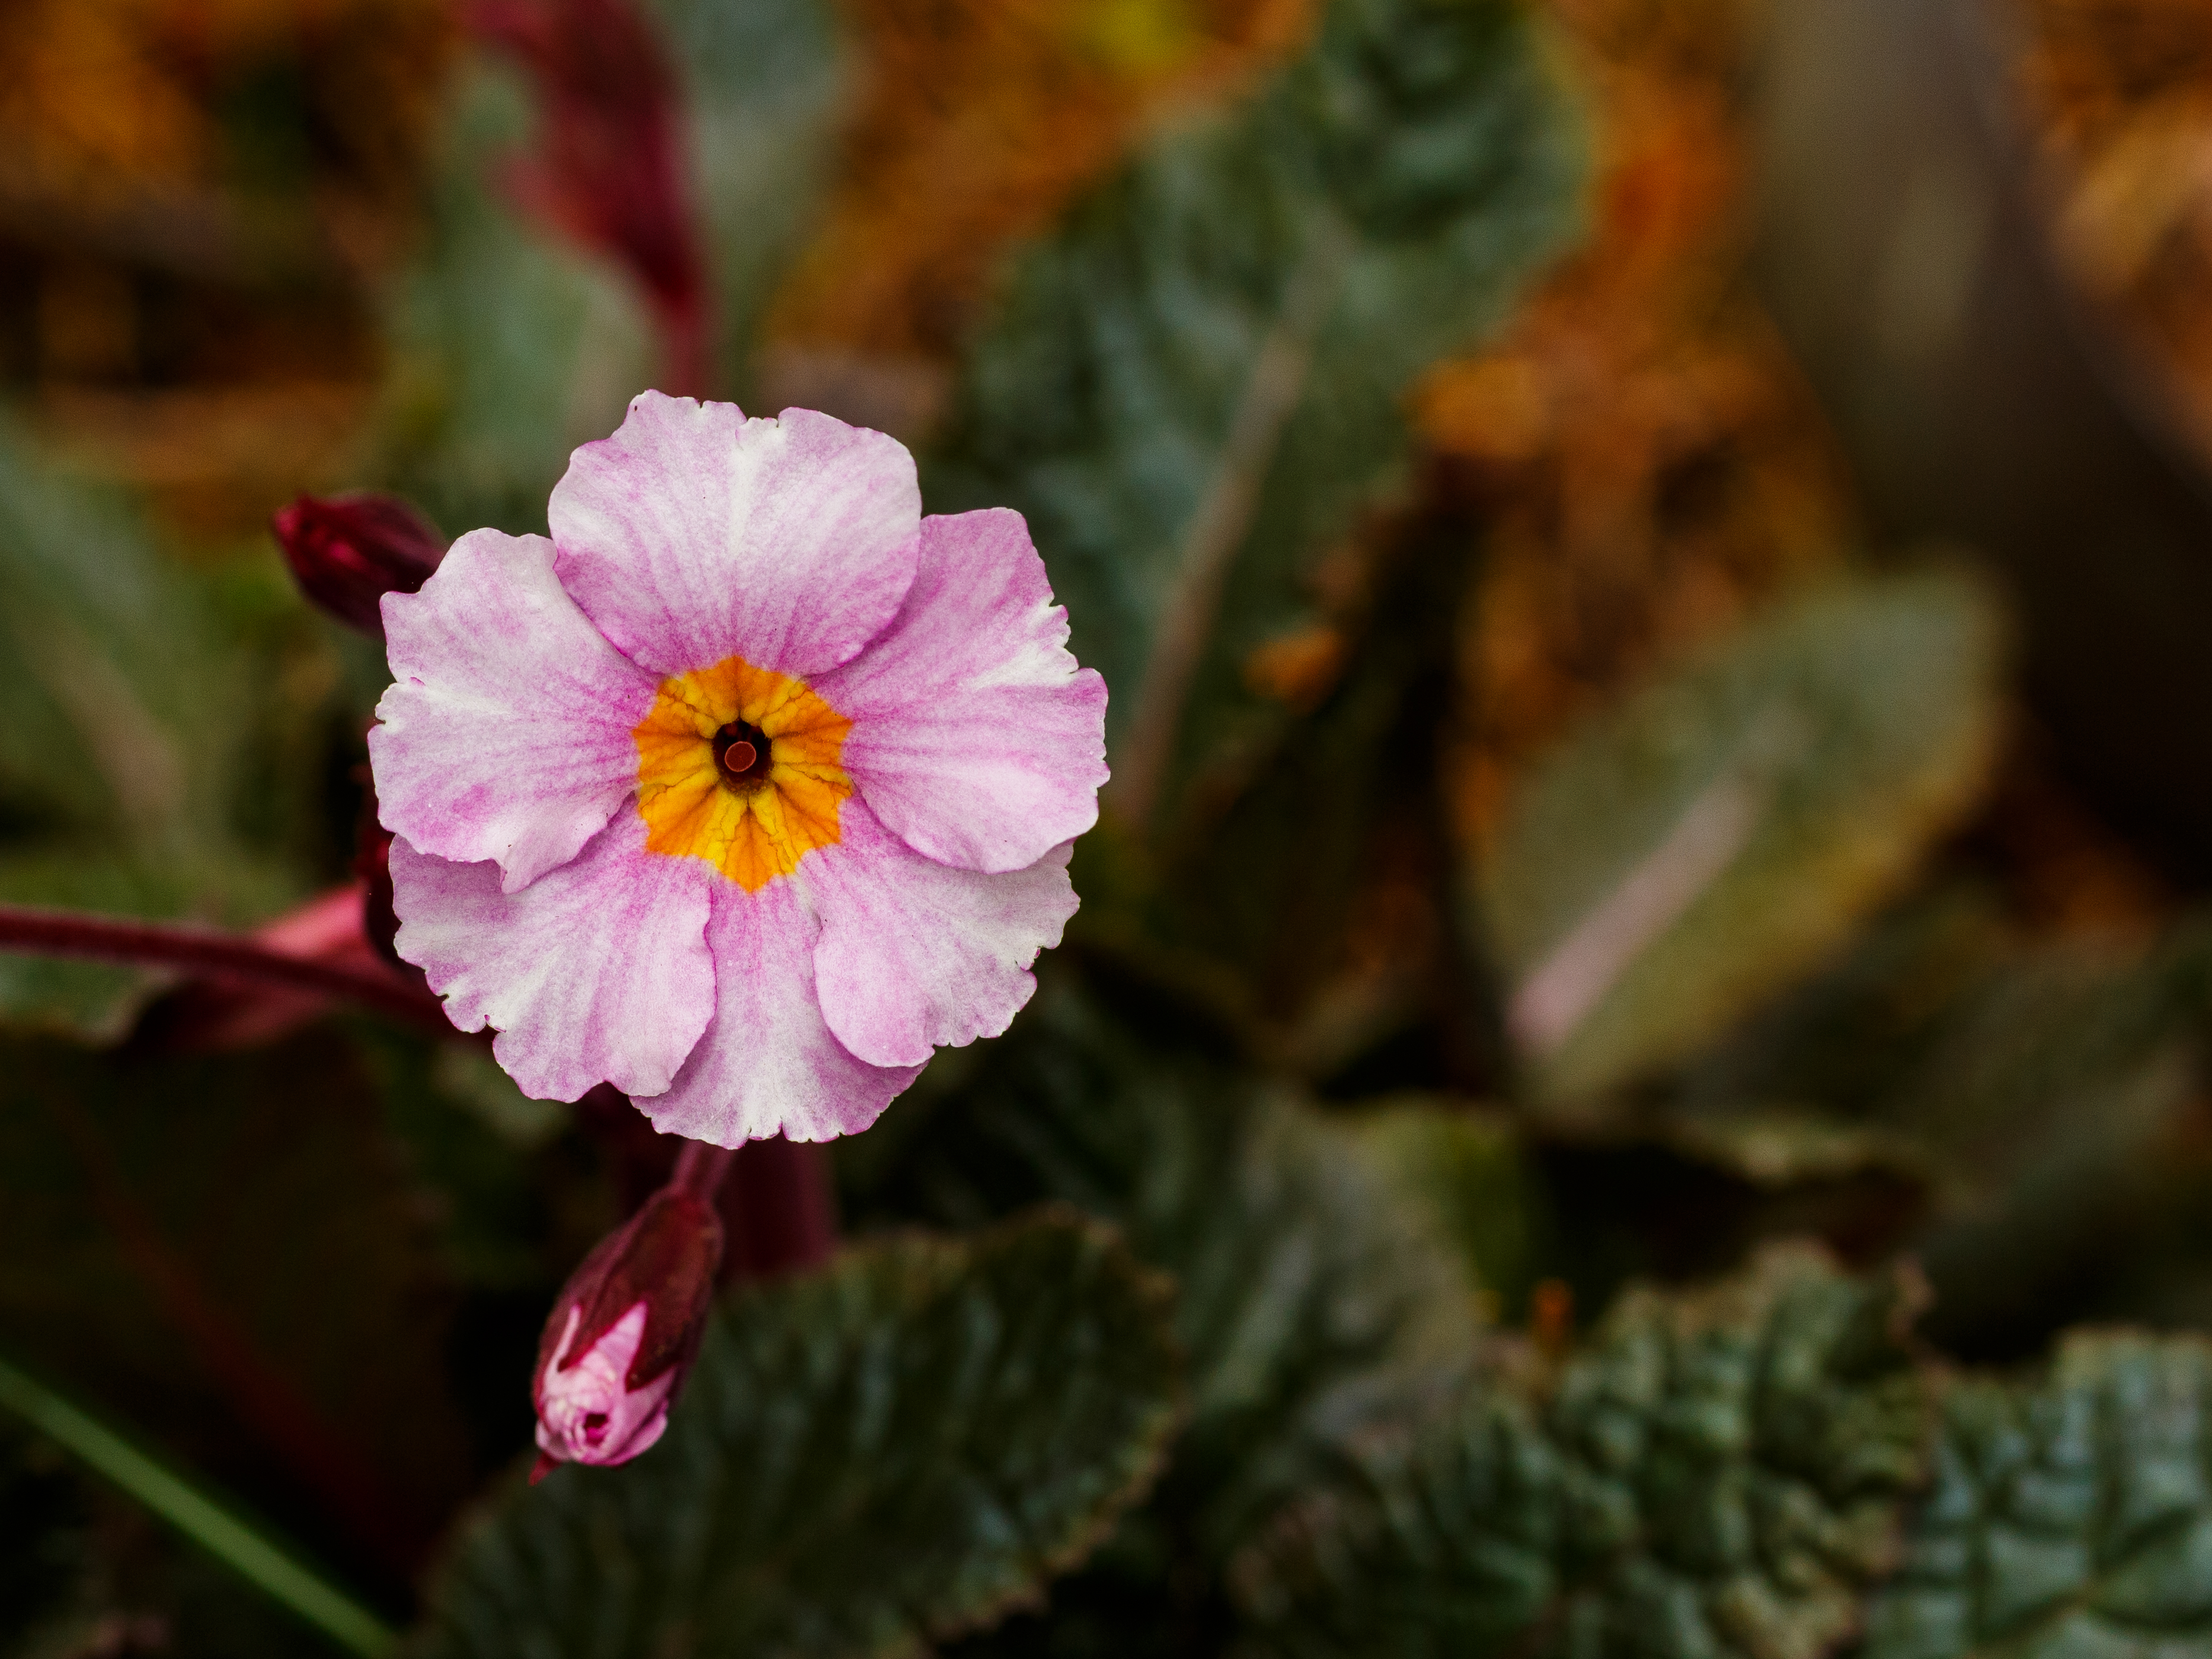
{"x": 748, "y": 788}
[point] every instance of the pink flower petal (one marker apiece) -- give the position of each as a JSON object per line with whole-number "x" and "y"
{"x": 506, "y": 736}
{"x": 768, "y": 1064}
{"x": 599, "y": 969}
{"x": 694, "y": 534}
{"x": 587, "y": 1412}
{"x": 914, "y": 953}
{"x": 975, "y": 736}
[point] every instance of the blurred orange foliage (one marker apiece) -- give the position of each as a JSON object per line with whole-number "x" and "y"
{"x": 979, "y": 118}
{"x": 1656, "y": 464}
{"x": 186, "y": 281}
{"x": 2121, "y": 91}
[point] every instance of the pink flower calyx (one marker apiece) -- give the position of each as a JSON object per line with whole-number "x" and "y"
{"x": 348, "y": 551}
{"x": 624, "y": 1332}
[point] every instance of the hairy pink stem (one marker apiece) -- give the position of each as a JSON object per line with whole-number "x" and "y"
{"x": 205, "y": 952}
{"x": 699, "y": 1169}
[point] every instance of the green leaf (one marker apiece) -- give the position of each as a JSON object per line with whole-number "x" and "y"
{"x": 508, "y": 347}
{"x": 1850, "y": 1036}
{"x": 222, "y": 1250}
{"x": 865, "y": 1460}
{"x": 125, "y": 735}
{"x": 2053, "y": 1097}
{"x": 1471, "y": 1173}
{"x": 1719, "y": 1474}
{"x": 117, "y": 708}
{"x": 2073, "y": 1517}
{"x": 248, "y": 1550}
{"x": 1281, "y": 873}
{"x": 1309, "y": 1300}
{"x": 1191, "y": 386}
{"x": 1688, "y": 855}
{"x": 763, "y": 83}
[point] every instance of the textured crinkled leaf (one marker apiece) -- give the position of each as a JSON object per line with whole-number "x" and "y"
{"x": 1192, "y": 385}
{"x": 895, "y": 1449}
{"x": 1718, "y": 1474}
{"x": 1685, "y": 856}
{"x": 2071, "y": 1516}
{"x": 1308, "y": 1299}
{"x": 224, "y": 1251}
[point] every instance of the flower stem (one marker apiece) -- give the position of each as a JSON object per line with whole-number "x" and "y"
{"x": 205, "y": 952}
{"x": 699, "y": 1169}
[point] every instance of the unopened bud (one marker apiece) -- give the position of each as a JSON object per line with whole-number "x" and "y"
{"x": 624, "y": 1332}
{"x": 348, "y": 551}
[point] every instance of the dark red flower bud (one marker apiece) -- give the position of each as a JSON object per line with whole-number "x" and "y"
{"x": 624, "y": 1332}
{"x": 348, "y": 551}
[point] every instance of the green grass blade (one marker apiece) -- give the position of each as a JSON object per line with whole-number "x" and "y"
{"x": 199, "y": 1517}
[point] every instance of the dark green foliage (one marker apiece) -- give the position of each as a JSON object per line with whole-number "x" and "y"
{"x": 2069, "y": 1517}
{"x": 890, "y": 1451}
{"x": 1192, "y": 386}
{"x": 762, "y": 82}
{"x": 1719, "y": 1474}
{"x": 1314, "y": 1302}
{"x": 2044, "y": 1097}
{"x": 244, "y": 1274}
{"x": 1277, "y": 865}
{"x": 1472, "y": 1173}
{"x": 83, "y": 1571}
{"x": 43, "y": 1521}
{"x": 1308, "y": 1298}
{"x": 1235, "y": 1388}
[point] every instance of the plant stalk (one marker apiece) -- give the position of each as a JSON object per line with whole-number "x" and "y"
{"x": 208, "y": 953}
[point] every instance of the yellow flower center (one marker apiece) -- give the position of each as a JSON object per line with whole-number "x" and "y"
{"x": 737, "y": 765}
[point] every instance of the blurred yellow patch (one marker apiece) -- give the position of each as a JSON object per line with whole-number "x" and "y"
{"x": 1137, "y": 37}
{"x": 752, "y": 831}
